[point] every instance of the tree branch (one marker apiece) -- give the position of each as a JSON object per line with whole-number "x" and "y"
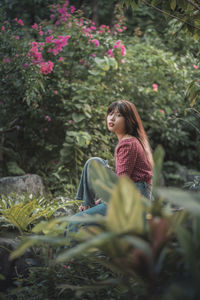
{"x": 168, "y": 14}
{"x": 194, "y": 5}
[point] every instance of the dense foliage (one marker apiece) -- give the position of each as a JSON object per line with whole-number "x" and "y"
{"x": 139, "y": 250}
{"x": 186, "y": 12}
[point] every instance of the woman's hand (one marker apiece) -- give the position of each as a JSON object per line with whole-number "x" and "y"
{"x": 97, "y": 201}
{"x": 83, "y": 207}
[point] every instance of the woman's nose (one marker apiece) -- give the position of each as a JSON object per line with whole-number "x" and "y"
{"x": 112, "y": 117}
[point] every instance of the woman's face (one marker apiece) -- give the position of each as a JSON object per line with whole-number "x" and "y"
{"x": 116, "y": 122}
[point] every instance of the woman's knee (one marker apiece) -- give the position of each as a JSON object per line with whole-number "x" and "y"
{"x": 96, "y": 159}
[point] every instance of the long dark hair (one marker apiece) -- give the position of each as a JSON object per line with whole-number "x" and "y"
{"x": 133, "y": 124}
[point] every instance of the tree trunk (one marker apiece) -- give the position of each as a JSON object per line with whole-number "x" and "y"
{"x": 95, "y": 17}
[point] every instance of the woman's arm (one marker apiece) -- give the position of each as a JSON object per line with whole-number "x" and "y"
{"x": 126, "y": 155}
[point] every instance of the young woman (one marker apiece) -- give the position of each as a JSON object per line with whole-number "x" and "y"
{"x": 133, "y": 156}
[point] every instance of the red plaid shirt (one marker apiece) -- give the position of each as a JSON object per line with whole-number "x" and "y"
{"x": 130, "y": 160}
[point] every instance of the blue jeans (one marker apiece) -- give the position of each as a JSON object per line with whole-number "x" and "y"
{"x": 86, "y": 193}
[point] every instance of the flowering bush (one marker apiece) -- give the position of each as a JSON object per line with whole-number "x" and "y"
{"x": 61, "y": 82}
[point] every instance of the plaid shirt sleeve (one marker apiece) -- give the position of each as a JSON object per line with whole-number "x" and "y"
{"x": 126, "y": 155}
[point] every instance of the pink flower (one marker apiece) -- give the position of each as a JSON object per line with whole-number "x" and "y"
{"x": 20, "y": 22}
{"x": 93, "y": 27}
{"x": 123, "y": 50}
{"x": 6, "y": 60}
{"x": 46, "y": 67}
{"x": 118, "y": 43}
{"x": 41, "y": 32}
{"x": 162, "y": 111}
{"x": 119, "y": 30}
{"x": 124, "y": 27}
{"x": 3, "y": 28}
{"x": 25, "y": 65}
{"x": 96, "y": 42}
{"x": 66, "y": 3}
{"x": 17, "y": 37}
{"x": 123, "y": 61}
{"x": 48, "y": 118}
{"x": 66, "y": 267}
{"x": 72, "y": 9}
{"x": 195, "y": 66}
{"x": 155, "y": 87}
{"x": 56, "y": 92}
{"x": 49, "y": 39}
{"x": 60, "y": 42}
{"x": 35, "y": 26}
{"x": 61, "y": 58}
{"x": 34, "y": 44}
{"x": 198, "y": 80}
{"x": 110, "y": 52}
{"x": 70, "y": 121}
{"x": 121, "y": 46}
{"x": 51, "y": 17}
{"x": 35, "y": 54}
{"x": 93, "y": 55}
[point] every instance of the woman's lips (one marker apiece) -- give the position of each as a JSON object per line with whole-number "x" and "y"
{"x": 110, "y": 124}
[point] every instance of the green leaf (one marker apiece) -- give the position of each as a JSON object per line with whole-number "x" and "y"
{"x": 95, "y": 242}
{"x": 186, "y": 243}
{"x": 78, "y": 117}
{"x": 95, "y": 72}
{"x": 50, "y": 228}
{"x": 187, "y": 200}
{"x": 37, "y": 240}
{"x": 14, "y": 169}
{"x": 158, "y": 162}
{"x": 99, "y": 61}
{"x": 102, "y": 63}
{"x": 113, "y": 63}
{"x": 156, "y": 2}
{"x": 173, "y": 4}
{"x": 126, "y": 209}
{"x": 22, "y": 248}
{"x": 102, "y": 180}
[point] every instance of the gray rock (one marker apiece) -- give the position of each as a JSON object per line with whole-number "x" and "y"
{"x": 31, "y": 184}
{"x": 192, "y": 175}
